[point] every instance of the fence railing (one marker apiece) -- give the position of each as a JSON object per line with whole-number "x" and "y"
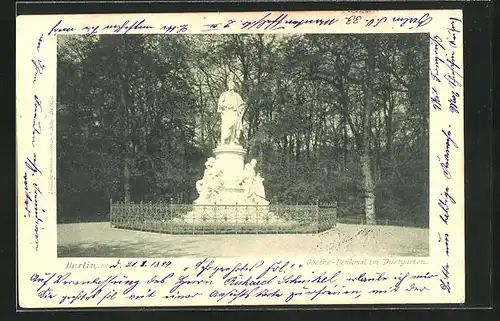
{"x": 361, "y": 220}
{"x": 223, "y": 219}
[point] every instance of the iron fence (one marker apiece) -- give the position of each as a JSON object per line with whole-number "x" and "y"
{"x": 223, "y": 219}
{"x": 361, "y": 220}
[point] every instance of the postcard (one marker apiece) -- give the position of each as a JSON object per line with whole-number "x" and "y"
{"x": 240, "y": 159}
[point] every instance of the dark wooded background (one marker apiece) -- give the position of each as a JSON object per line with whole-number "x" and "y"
{"x": 330, "y": 117}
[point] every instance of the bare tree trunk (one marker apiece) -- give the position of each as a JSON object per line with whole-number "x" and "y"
{"x": 125, "y": 101}
{"x": 369, "y": 189}
{"x": 365, "y": 159}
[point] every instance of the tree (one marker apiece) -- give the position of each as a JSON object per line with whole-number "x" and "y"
{"x": 330, "y": 117}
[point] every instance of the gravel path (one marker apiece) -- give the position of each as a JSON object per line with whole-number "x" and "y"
{"x": 100, "y": 240}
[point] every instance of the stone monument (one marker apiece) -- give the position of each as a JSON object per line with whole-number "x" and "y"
{"x": 228, "y": 182}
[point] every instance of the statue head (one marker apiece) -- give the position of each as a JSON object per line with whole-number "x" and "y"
{"x": 210, "y": 162}
{"x": 253, "y": 162}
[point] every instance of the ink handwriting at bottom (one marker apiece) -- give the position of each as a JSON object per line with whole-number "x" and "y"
{"x": 101, "y": 288}
{"x": 445, "y": 165}
{"x": 445, "y": 283}
{"x": 414, "y": 288}
{"x": 84, "y": 296}
{"x": 185, "y": 280}
{"x": 279, "y": 287}
{"x": 244, "y": 293}
{"x": 335, "y": 290}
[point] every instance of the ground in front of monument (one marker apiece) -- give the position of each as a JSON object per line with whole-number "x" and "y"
{"x": 101, "y": 240}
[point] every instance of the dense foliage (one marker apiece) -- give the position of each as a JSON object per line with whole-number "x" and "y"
{"x": 330, "y": 117}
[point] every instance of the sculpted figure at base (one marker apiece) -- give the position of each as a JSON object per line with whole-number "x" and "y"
{"x": 253, "y": 184}
{"x": 231, "y": 108}
{"x": 257, "y": 194}
{"x": 209, "y": 186}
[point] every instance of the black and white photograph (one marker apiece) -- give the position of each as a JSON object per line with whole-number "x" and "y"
{"x": 193, "y": 145}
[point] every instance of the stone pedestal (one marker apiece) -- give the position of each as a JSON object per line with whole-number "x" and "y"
{"x": 231, "y": 160}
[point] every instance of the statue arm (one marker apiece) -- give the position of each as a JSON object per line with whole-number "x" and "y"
{"x": 220, "y": 105}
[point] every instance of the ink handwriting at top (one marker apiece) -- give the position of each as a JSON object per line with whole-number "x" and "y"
{"x": 419, "y": 21}
{"x": 375, "y": 22}
{"x": 58, "y": 28}
{"x": 215, "y": 26}
{"x": 38, "y": 66}
{"x": 443, "y": 205}
{"x": 178, "y": 29}
{"x": 126, "y": 26}
{"x": 438, "y": 44}
{"x": 445, "y": 166}
{"x": 90, "y": 30}
{"x": 453, "y": 76}
{"x": 39, "y": 43}
{"x": 268, "y": 22}
{"x": 452, "y": 32}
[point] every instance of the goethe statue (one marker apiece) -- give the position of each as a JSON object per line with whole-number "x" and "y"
{"x": 231, "y": 108}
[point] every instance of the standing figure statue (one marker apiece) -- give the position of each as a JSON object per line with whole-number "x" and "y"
{"x": 231, "y": 108}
